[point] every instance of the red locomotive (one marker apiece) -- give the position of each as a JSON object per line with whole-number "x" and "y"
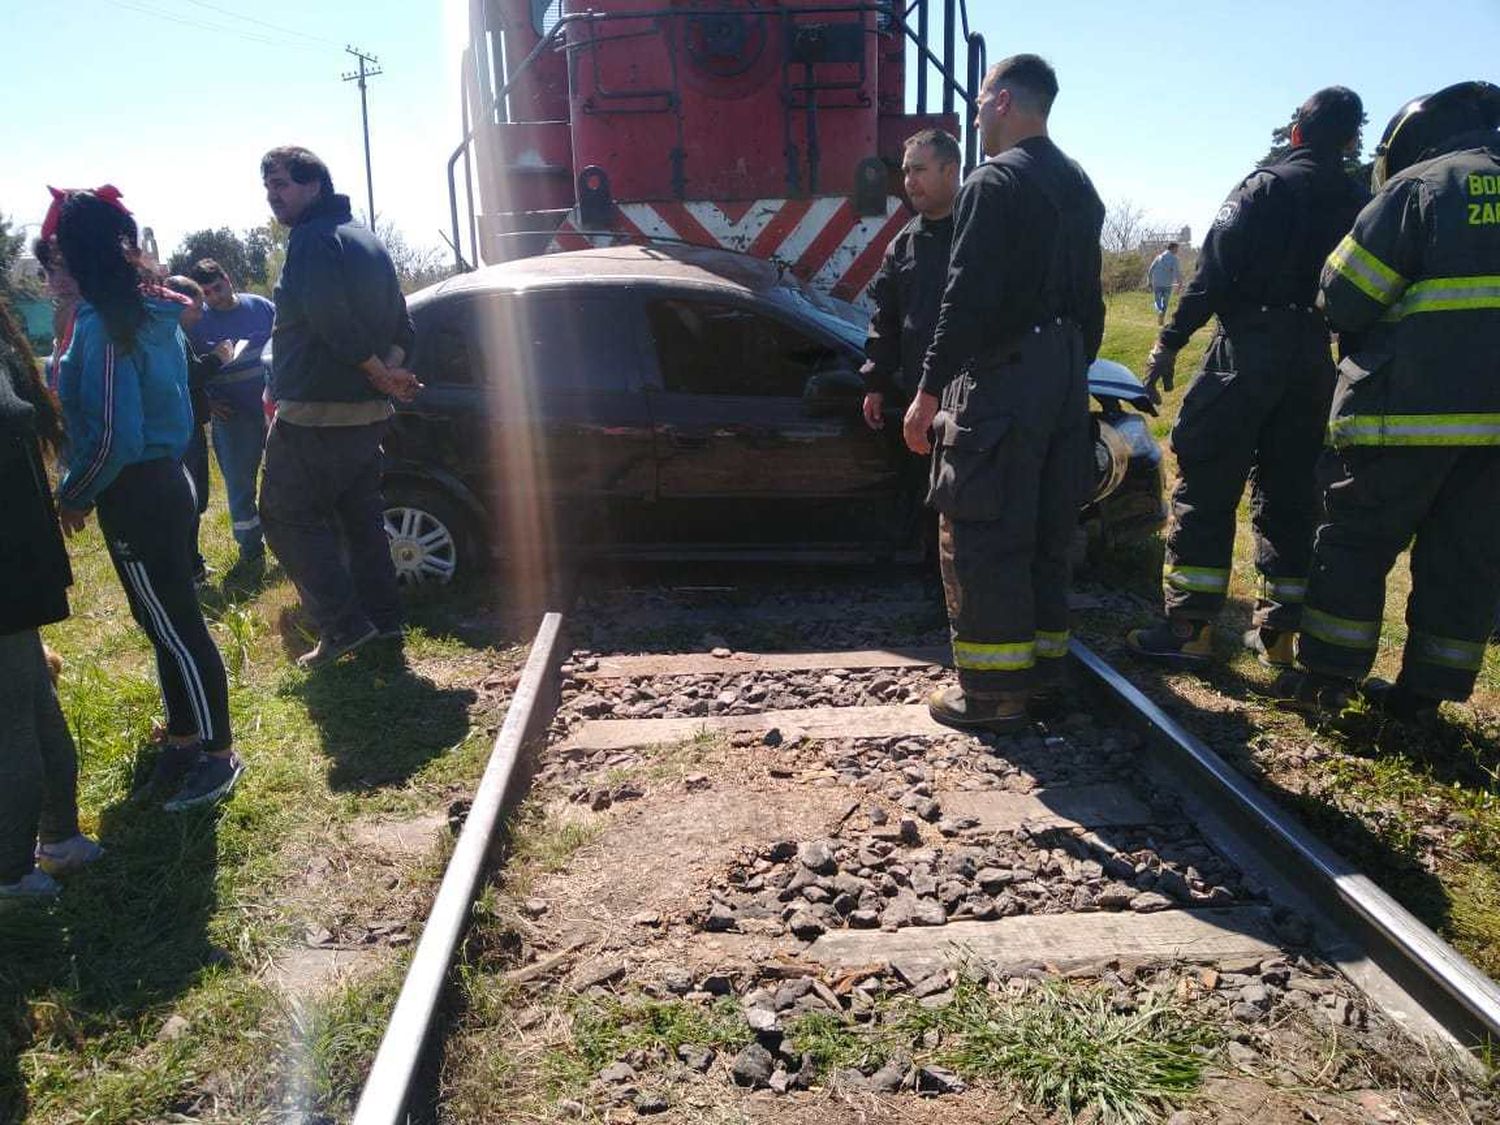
{"x": 772, "y": 127}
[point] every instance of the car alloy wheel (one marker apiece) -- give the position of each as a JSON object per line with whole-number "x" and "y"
{"x": 422, "y": 546}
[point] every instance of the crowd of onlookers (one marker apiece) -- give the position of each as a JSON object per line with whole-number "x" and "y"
{"x": 115, "y": 425}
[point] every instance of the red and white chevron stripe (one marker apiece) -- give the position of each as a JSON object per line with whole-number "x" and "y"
{"x": 822, "y": 240}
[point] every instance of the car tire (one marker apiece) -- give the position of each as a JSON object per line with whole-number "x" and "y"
{"x": 433, "y": 542}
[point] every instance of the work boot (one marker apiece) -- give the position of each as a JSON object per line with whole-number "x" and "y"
{"x": 1396, "y": 701}
{"x": 1313, "y": 693}
{"x": 1174, "y": 641}
{"x": 1274, "y": 648}
{"x": 1003, "y": 712}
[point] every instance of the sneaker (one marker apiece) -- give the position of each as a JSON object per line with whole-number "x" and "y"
{"x": 1399, "y": 702}
{"x": 1174, "y": 641}
{"x": 210, "y": 778}
{"x": 171, "y": 765}
{"x": 67, "y": 856}
{"x": 34, "y": 884}
{"x": 1312, "y": 693}
{"x": 327, "y": 650}
{"x": 390, "y": 632}
{"x": 1003, "y": 713}
{"x": 1274, "y": 648}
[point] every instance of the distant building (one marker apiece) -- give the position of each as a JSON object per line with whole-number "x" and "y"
{"x": 1153, "y": 242}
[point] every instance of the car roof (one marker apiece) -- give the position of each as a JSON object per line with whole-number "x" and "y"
{"x": 669, "y": 265}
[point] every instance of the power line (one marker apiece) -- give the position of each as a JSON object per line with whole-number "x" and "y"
{"x": 220, "y": 29}
{"x": 263, "y": 23}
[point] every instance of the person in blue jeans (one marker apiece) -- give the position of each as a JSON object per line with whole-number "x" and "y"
{"x": 241, "y": 324}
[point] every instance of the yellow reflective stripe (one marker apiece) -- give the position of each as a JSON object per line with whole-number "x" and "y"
{"x": 1198, "y": 579}
{"x": 1283, "y": 589}
{"x": 1466, "y": 656}
{"x": 1343, "y": 631}
{"x": 1448, "y": 294}
{"x": 1052, "y": 646}
{"x": 1415, "y": 429}
{"x": 1365, "y": 271}
{"x": 976, "y": 657}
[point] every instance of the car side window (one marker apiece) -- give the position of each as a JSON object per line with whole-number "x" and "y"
{"x": 443, "y": 356}
{"x": 561, "y": 343}
{"x": 711, "y": 348}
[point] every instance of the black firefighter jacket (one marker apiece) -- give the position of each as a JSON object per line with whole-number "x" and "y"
{"x": 907, "y": 293}
{"x": 1419, "y": 276}
{"x": 1269, "y": 241}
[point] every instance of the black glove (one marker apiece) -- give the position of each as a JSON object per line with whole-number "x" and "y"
{"x": 1159, "y": 369}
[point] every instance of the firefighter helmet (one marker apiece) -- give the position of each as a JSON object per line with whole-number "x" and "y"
{"x": 1422, "y": 125}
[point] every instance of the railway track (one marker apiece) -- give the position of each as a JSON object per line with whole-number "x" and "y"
{"x": 782, "y": 864}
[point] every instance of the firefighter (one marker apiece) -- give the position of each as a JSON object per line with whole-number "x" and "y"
{"x": 909, "y": 287}
{"x": 1258, "y": 407}
{"x": 1021, "y": 318}
{"x": 1415, "y": 428}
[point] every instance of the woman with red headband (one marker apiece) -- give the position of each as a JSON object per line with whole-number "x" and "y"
{"x": 123, "y": 387}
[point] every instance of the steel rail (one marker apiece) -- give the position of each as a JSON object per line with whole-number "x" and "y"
{"x": 1437, "y": 980}
{"x": 397, "y": 1068}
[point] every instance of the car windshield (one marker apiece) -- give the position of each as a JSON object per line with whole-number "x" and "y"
{"x": 848, "y": 322}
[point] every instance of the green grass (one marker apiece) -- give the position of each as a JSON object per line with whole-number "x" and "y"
{"x": 1068, "y": 1048}
{"x": 184, "y": 913}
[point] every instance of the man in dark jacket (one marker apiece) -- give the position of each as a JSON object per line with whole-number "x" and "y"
{"x": 342, "y": 334}
{"x": 1021, "y": 319}
{"x": 1258, "y": 408}
{"x": 1415, "y": 428}
{"x": 908, "y": 289}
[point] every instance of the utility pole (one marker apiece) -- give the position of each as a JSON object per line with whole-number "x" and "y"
{"x": 365, "y": 62}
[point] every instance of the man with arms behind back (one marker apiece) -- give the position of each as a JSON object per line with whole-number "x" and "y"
{"x": 342, "y": 333}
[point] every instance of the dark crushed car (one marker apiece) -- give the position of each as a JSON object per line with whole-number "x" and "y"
{"x": 682, "y": 402}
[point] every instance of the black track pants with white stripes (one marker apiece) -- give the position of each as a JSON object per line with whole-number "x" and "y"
{"x": 146, "y": 515}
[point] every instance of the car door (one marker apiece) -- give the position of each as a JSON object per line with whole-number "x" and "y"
{"x": 441, "y": 433}
{"x": 570, "y": 445}
{"x": 759, "y": 434}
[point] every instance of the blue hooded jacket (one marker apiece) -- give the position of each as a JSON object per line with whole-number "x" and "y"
{"x": 121, "y": 408}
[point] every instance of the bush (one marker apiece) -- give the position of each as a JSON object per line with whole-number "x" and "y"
{"x": 1123, "y": 271}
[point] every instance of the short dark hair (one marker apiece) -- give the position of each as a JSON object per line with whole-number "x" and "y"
{"x": 944, "y": 145}
{"x": 177, "y": 283}
{"x": 1030, "y": 79}
{"x": 1331, "y": 118}
{"x": 206, "y": 271}
{"x": 44, "y": 250}
{"x": 1171, "y": 246}
{"x": 301, "y": 164}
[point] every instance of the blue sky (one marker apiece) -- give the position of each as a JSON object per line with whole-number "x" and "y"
{"x": 1165, "y": 103}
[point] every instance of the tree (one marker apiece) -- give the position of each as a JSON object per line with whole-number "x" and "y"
{"x": 1124, "y": 223}
{"x": 13, "y": 286}
{"x": 243, "y": 258}
{"x": 416, "y": 266}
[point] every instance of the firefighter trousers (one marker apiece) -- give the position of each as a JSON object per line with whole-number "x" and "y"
{"x": 1010, "y": 469}
{"x": 1256, "y": 412}
{"x": 1440, "y": 500}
